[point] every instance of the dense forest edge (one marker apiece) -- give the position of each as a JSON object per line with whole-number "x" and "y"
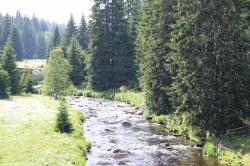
{"x": 186, "y": 63}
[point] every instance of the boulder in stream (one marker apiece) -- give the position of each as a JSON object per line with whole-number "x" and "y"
{"x": 126, "y": 124}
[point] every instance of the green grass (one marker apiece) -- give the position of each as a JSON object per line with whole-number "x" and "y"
{"x": 31, "y": 63}
{"x": 28, "y": 137}
{"x": 240, "y": 151}
{"x": 127, "y": 96}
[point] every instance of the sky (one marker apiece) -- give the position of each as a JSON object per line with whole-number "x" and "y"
{"x": 53, "y": 10}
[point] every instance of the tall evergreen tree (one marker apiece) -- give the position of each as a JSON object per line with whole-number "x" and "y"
{"x": 6, "y": 29}
{"x": 133, "y": 8}
{"x": 69, "y": 32}
{"x": 41, "y": 50}
{"x": 17, "y": 43}
{"x": 9, "y": 65}
{"x": 153, "y": 53}
{"x": 74, "y": 54}
{"x": 4, "y": 84}
{"x": 212, "y": 66}
{"x": 56, "y": 38}
{"x": 29, "y": 40}
{"x": 110, "y": 65}
{"x": 82, "y": 34}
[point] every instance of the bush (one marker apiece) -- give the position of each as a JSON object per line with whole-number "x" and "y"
{"x": 63, "y": 123}
{"x": 123, "y": 89}
{"x": 26, "y": 82}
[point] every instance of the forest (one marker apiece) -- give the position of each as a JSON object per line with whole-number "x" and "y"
{"x": 189, "y": 59}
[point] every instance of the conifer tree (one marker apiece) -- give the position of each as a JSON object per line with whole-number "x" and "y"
{"x": 69, "y": 32}
{"x": 9, "y": 65}
{"x": 41, "y": 50}
{"x": 6, "y": 29}
{"x": 4, "y": 84}
{"x": 153, "y": 53}
{"x": 82, "y": 34}
{"x": 63, "y": 123}
{"x": 17, "y": 44}
{"x": 29, "y": 40}
{"x": 212, "y": 66}
{"x": 110, "y": 65}
{"x": 26, "y": 82}
{"x": 74, "y": 54}
{"x": 55, "y": 39}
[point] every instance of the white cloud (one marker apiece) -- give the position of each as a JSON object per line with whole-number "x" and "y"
{"x": 53, "y": 10}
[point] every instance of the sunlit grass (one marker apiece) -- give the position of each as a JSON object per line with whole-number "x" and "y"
{"x": 240, "y": 151}
{"x": 31, "y": 63}
{"x": 28, "y": 137}
{"x": 130, "y": 97}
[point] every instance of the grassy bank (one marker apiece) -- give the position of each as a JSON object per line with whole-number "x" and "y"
{"x": 28, "y": 137}
{"x": 134, "y": 98}
{"x": 240, "y": 154}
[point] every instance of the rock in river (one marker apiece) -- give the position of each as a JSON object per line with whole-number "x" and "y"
{"x": 126, "y": 124}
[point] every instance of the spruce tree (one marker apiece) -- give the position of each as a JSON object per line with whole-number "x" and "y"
{"x": 29, "y": 40}
{"x": 41, "y": 50}
{"x": 82, "y": 34}
{"x": 69, "y": 32}
{"x": 153, "y": 53}
{"x": 55, "y": 39}
{"x": 212, "y": 66}
{"x": 109, "y": 65}
{"x": 4, "y": 84}
{"x": 17, "y": 44}
{"x": 9, "y": 65}
{"x": 6, "y": 28}
{"x": 26, "y": 82}
{"x": 63, "y": 123}
{"x": 74, "y": 54}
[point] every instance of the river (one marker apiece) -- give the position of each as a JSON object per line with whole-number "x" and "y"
{"x": 121, "y": 135}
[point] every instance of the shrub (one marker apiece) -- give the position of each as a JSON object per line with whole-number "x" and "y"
{"x": 63, "y": 123}
{"x": 123, "y": 89}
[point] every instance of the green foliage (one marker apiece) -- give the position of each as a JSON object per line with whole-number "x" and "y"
{"x": 130, "y": 97}
{"x": 82, "y": 35}
{"x": 17, "y": 44}
{"x": 211, "y": 78}
{"x": 34, "y": 129}
{"x": 4, "y": 84}
{"x": 110, "y": 63}
{"x": 57, "y": 73}
{"x": 56, "y": 38}
{"x": 153, "y": 54}
{"x": 69, "y": 32}
{"x": 123, "y": 89}
{"x": 63, "y": 123}
{"x": 209, "y": 149}
{"x": 9, "y": 65}
{"x": 26, "y": 82}
{"x": 76, "y": 59}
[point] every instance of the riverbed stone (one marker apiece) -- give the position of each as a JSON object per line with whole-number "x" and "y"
{"x": 126, "y": 124}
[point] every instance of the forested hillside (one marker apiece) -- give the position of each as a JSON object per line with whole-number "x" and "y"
{"x": 30, "y": 36}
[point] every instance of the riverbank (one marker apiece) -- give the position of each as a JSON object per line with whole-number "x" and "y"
{"x": 28, "y": 136}
{"x": 235, "y": 157}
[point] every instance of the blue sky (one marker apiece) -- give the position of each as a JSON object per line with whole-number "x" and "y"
{"x": 53, "y": 10}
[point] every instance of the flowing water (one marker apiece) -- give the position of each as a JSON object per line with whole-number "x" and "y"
{"x": 120, "y": 135}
